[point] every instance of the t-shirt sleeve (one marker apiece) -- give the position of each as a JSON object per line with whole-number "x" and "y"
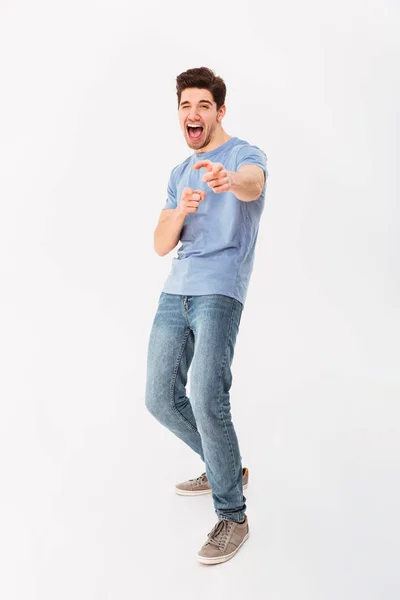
{"x": 252, "y": 155}
{"x": 171, "y": 200}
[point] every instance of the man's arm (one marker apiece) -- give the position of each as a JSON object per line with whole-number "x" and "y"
{"x": 247, "y": 183}
{"x": 168, "y": 230}
{"x": 171, "y": 221}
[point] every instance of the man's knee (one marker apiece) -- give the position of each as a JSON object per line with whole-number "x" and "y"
{"x": 157, "y": 405}
{"x": 151, "y": 403}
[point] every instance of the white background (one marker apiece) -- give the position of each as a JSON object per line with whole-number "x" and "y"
{"x": 89, "y": 135}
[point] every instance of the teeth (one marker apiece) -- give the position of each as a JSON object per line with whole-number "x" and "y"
{"x": 190, "y": 125}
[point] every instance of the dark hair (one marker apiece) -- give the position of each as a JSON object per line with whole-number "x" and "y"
{"x": 204, "y": 78}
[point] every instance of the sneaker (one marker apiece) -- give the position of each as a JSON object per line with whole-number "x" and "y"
{"x": 201, "y": 485}
{"x": 223, "y": 541}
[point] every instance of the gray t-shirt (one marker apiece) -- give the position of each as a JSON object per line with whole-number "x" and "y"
{"x": 218, "y": 240}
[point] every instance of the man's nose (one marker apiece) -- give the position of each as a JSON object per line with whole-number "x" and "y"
{"x": 193, "y": 114}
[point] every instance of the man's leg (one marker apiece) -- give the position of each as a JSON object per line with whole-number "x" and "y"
{"x": 215, "y": 321}
{"x": 170, "y": 352}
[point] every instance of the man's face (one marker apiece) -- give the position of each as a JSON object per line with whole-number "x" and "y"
{"x": 197, "y": 107}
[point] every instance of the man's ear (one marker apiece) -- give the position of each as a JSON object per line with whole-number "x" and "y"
{"x": 221, "y": 112}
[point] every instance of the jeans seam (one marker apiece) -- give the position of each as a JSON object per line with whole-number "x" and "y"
{"x": 173, "y": 382}
{"x": 220, "y": 385}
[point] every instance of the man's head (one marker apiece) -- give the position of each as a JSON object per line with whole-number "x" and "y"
{"x": 201, "y": 102}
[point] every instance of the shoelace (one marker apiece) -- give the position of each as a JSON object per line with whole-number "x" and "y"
{"x": 200, "y": 479}
{"x": 219, "y": 533}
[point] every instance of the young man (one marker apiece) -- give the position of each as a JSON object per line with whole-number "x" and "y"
{"x": 215, "y": 200}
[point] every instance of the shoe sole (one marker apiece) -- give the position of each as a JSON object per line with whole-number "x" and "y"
{"x": 206, "y": 560}
{"x": 198, "y": 492}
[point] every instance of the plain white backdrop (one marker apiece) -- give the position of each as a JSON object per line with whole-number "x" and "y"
{"x": 89, "y": 134}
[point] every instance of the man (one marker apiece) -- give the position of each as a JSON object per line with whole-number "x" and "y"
{"x": 215, "y": 200}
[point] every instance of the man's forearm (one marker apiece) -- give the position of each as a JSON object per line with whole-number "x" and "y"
{"x": 245, "y": 186}
{"x": 168, "y": 230}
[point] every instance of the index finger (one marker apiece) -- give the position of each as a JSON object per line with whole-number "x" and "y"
{"x": 201, "y": 193}
{"x": 202, "y": 163}
{"x": 217, "y": 167}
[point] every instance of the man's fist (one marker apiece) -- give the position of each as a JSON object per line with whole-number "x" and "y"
{"x": 217, "y": 177}
{"x": 189, "y": 202}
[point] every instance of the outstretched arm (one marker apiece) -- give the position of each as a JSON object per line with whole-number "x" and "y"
{"x": 246, "y": 184}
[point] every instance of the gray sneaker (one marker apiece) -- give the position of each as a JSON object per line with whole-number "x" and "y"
{"x": 223, "y": 541}
{"x": 201, "y": 485}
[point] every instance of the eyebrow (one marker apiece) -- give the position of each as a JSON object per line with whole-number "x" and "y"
{"x": 200, "y": 102}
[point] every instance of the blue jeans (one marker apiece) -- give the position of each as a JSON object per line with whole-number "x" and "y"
{"x": 199, "y": 331}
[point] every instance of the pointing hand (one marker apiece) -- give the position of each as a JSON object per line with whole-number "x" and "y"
{"x": 189, "y": 202}
{"x": 217, "y": 177}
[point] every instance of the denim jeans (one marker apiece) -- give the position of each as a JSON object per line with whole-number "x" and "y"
{"x": 199, "y": 331}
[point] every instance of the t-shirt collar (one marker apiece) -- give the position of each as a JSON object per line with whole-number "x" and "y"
{"x": 211, "y": 153}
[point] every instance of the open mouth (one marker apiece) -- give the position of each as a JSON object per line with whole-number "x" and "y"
{"x": 194, "y": 133}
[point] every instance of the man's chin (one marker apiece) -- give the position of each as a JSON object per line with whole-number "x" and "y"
{"x": 196, "y": 145}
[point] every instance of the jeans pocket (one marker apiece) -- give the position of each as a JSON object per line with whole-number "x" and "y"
{"x": 239, "y": 311}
